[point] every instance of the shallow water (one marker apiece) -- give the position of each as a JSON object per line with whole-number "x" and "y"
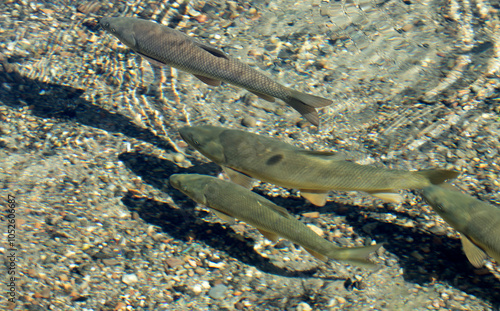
{"x": 88, "y": 138}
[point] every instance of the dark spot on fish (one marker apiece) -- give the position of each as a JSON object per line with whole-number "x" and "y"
{"x": 274, "y": 159}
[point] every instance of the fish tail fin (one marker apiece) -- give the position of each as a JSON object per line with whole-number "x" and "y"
{"x": 437, "y": 177}
{"x": 356, "y": 255}
{"x": 305, "y": 104}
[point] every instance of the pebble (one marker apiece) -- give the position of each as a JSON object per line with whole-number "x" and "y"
{"x": 249, "y": 121}
{"x": 130, "y": 279}
{"x": 172, "y": 262}
{"x": 303, "y": 306}
{"x": 218, "y": 291}
{"x": 179, "y": 158}
{"x": 197, "y": 289}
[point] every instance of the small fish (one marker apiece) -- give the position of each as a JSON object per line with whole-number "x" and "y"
{"x": 230, "y": 201}
{"x": 162, "y": 46}
{"x": 244, "y": 156}
{"x": 478, "y": 222}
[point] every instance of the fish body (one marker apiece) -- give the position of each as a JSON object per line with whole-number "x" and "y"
{"x": 313, "y": 173}
{"x": 163, "y": 45}
{"x": 230, "y": 200}
{"x": 478, "y": 222}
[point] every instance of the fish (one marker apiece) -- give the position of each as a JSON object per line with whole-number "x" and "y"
{"x": 478, "y": 222}
{"x": 162, "y": 45}
{"x": 231, "y": 201}
{"x": 246, "y": 156}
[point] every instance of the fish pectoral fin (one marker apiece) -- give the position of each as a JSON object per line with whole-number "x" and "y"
{"x": 475, "y": 255}
{"x": 391, "y": 197}
{"x": 316, "y": 198}
{"x": 225, "y": 217}
{"x": 209, "y": 81}
{"x": 316, "y": 254}
{"x": 269, "y": 98}
{"x": 271, "y": 236}
{"x": 239, "y": 178}
{"x": 152, "y": 60}
{"x": 215, "y": 52}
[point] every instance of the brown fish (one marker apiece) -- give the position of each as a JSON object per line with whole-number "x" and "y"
{"x": 478, "y": 222}
{"x": 166, "y": 46}
{"x": 229, "y": 201}
{"x": 245, "y": 155}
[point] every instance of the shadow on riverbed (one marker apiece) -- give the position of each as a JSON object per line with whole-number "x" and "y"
{"x": 65, "y": 103}
{"x": 187, "y": 223}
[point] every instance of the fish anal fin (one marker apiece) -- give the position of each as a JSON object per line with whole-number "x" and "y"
{"x": 224, "y": 217}
{"x": 391, "y": 197}
{"x": 316, "y": 254}
{"x": 215, "y": 52}
{"x": 271, "y": 236}
{"x": 239, "y": 178}
{"x": 209, "y": 81}
{"x": 316, "y": 198}
{"x": 475, "y": 255}
{"x": 269, "y": 98}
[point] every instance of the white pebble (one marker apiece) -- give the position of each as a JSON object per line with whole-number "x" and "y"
{"x": 129, "y": 279}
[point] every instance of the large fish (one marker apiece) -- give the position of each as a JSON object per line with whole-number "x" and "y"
{"x": 229, "y": 201}
{"x": 245, "y": 156}
{"x": 478, "y": 222}
{"x": 166, "y": 46}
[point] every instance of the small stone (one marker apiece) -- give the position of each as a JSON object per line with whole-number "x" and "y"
{"x": 317, "y": 230}
{"x": 70, "y": 218}
{"x": 197, "y": 289}
{"x": 303, "y": 306}
{"x": 173, "y": 262}
{"x": 129, "y": 279}
{"x": 179, "y": 158}
{"x": 218, "y": 265}
{"x": 218, "y": 291}
{"x": 249, "y": 121}
{"x": 311, "y": 214}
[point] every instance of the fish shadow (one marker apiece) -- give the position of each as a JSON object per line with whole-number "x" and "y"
{"x": 187, "y": 223}
{"x": 425, "y": 257}
{"x": 65, "y": 103}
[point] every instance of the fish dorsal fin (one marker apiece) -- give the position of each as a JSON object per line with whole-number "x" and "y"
{"x": 316, "y": 254}
{"x": 224, "y": 217}
{"x": 269, "y": 98}
{"x": 316, "y": 198}
{"x": 212, "y": 50}
{"x": 209, "y": 81}
{"x": 391, "y": 197}
{"x": 475, "y": 255}
{"x": 271, "y": 236}
{"x": 239, "y": 178}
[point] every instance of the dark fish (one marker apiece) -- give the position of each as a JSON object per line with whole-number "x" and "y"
{"x": 478, "y": 222}
{"x": 245, "y": 155}
{"x": 229, "y": 201}
{"x": 166, "y": 46}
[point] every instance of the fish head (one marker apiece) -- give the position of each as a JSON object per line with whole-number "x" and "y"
{"x": 205, "y": 139}
{"x": 120, "y": 27}
{"x": 192, "y": 185}
{"x": 451, "y": 205}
